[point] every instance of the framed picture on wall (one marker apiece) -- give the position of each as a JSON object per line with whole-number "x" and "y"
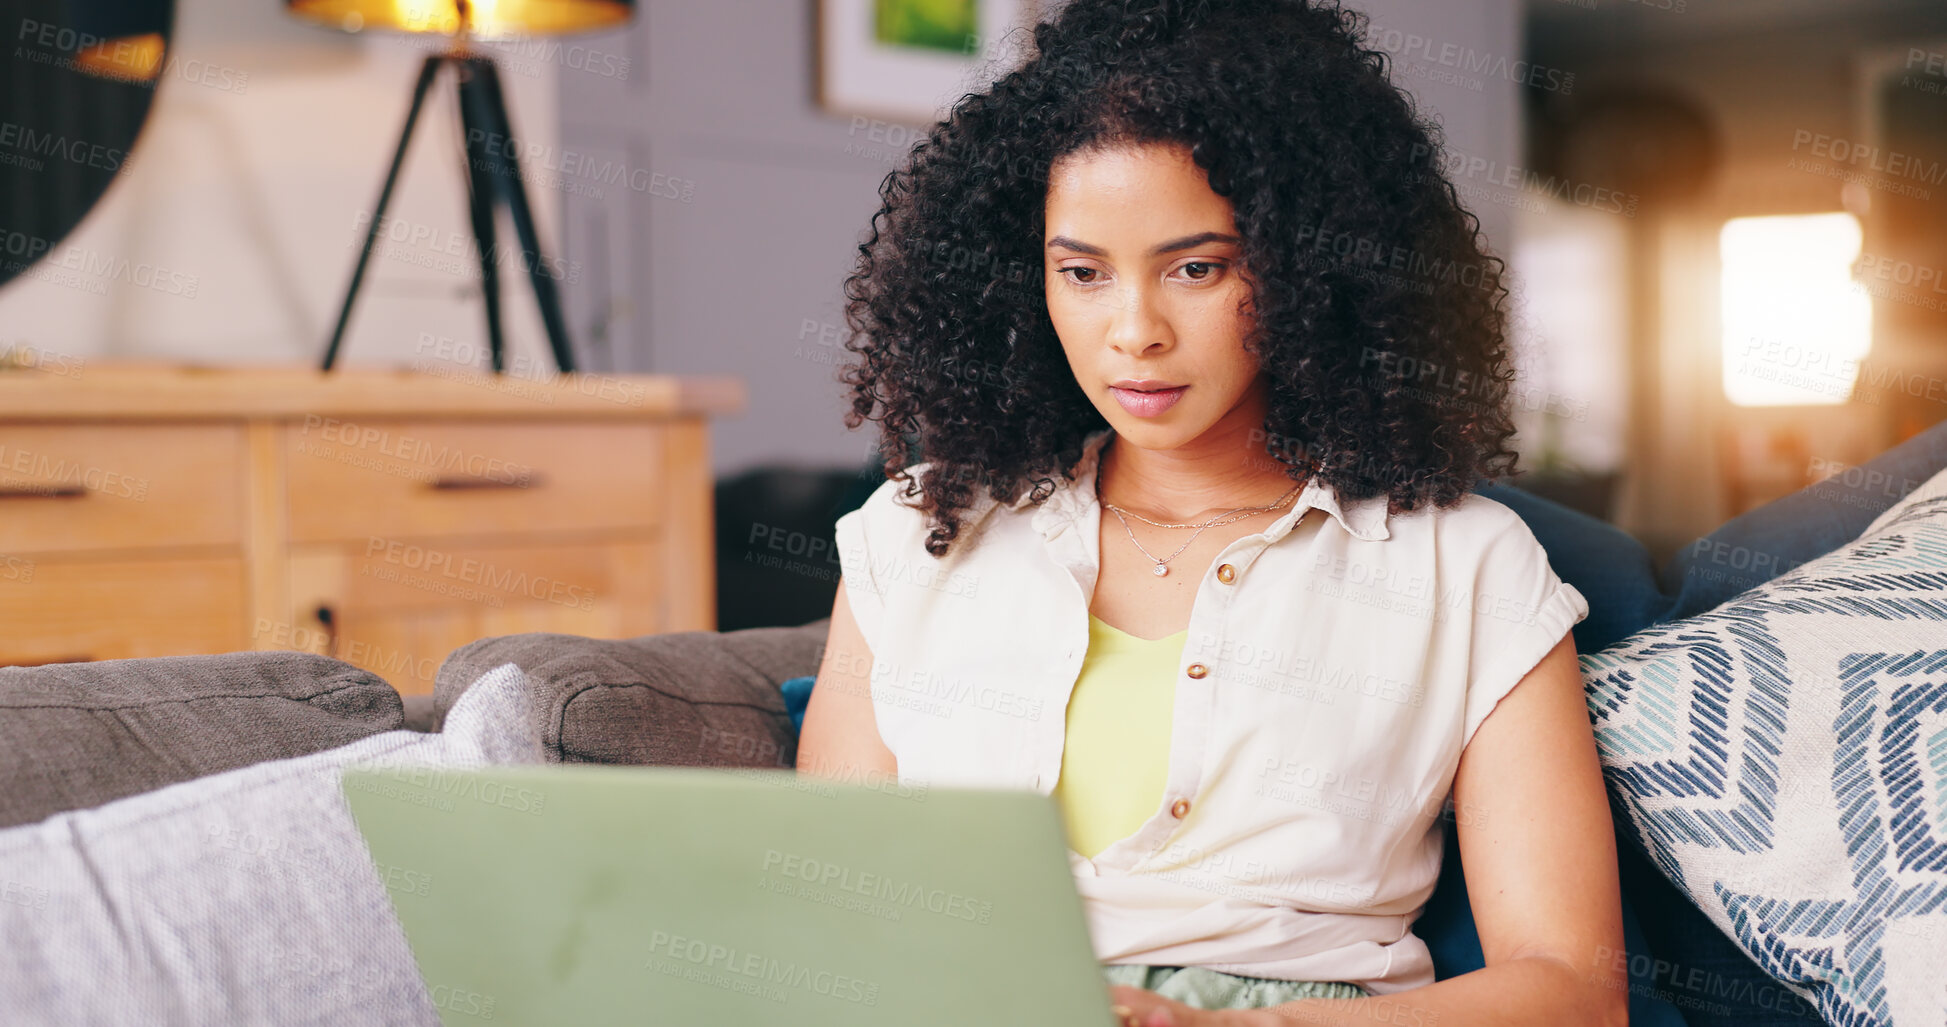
{"x": 909, "y": 60}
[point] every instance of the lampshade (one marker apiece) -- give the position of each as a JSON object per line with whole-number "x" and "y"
{"x": 480, "y": 19}
{"x": 122, "y": 39}
{"x": 134, "y": 58}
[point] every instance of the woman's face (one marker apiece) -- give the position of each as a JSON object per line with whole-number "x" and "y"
{"x": 1142, "y": 282}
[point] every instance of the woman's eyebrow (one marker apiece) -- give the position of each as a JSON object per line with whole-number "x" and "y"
{"x": 1173, "y": 245}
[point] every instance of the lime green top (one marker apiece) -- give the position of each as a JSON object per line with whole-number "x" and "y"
{"x": 1116, "y": 758}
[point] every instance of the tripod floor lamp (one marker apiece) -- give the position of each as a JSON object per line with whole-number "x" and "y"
{"x": 492, "y": 174}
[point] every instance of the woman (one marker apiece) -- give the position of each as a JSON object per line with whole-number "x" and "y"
{"x": 1204, "y": 357}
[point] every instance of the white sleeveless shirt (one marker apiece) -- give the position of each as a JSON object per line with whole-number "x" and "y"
{"x": 1337, "y": 663}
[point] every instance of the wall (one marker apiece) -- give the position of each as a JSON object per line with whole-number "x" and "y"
{"x": 262, "y": 157}
{"x": 1762, "y": 82}
{"x": 744, "y": 277}
{"x": 709, "y": 208}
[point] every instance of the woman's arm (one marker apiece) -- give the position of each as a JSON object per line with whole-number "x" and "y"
{"x": 840, "y": 737}
{"x": 1540, "y": 851}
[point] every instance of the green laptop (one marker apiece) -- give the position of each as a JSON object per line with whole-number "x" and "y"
{"x": 722, "y": 898}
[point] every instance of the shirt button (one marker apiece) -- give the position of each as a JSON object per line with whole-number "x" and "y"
{"x": 1180, "y": 808}
{"x": 1198, "y": 670}
{"x": 1226, "y": 573}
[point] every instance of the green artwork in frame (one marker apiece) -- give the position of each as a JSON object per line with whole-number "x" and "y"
{"x": 947, "y": 25}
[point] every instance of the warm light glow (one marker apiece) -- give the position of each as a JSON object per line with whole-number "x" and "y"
{"x": 131, "y": 58}
{"x": 1796, "y": 327}
{"x": 478, "y": 19}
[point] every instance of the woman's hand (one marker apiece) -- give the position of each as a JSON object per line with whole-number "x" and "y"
{"x": 1142, "y": 1008}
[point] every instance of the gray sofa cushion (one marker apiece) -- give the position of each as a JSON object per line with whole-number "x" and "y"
{"x": 76, "y": 735}
{"x": 687, "y": 698}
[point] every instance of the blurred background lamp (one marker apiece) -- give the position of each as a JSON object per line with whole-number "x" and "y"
{"x": 1796, "y": 326}
{"x": 492, "y": 165}
{"x": 120, "y": 39}
{"x": 486, "y": 19}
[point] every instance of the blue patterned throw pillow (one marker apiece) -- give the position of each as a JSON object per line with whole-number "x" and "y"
{"x": 1783, "y": 760}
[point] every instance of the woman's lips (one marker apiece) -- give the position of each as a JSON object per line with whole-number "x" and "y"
{"x": 1148, "y": 404}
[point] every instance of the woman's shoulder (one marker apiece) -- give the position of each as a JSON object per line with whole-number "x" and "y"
{"x": 1487, "y": 549}
{"x": 1474, "y": 519}
{"x": 893, "y": 524}
{"x": 1477, "y": 540}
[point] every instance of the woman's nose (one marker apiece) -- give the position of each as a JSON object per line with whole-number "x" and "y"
{"x": 1136, "y": 326}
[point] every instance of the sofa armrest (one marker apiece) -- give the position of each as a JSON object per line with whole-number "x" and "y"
{"x": 686, "y": 698}
{"x": 76, "y": 735}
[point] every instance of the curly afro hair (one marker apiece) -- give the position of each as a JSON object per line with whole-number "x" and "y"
{"x": 1379, "y": 315}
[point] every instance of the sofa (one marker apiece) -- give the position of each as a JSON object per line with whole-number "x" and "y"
{"x": 77, "y": 739}
{"x": 74, "y": 736}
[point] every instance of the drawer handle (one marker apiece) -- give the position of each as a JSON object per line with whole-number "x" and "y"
{"x": 42, "y": 492}
{"x": 471, "y": 482}
{"x": 328, "y": 618}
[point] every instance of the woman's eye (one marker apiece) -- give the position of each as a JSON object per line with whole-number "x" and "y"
{"x": 1081, "y": 270}
{"x": 1212, "y": 269}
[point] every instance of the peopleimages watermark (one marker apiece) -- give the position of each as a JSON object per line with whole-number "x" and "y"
{"x": 420, "y": 459}
{"x": 1458, "y": 60}
{"x": 46, "y": 474}
{"x": 894, "y": 140}
{"x": 443, "y": 785}
{"x": 1356, "y": 796}
{"x": 1343, "y": 576}
{"x": 574, "y": 171}
{"x": 1365, "y": 257}
{"x": 880, "y": 575}
{"x": 17, "y": 569}
{"x": 1885, "y": 170}
{"x": 749, "y": 972}
{"x": 1931, "y": 67}
{"x": 1441, "y": 384}
{"x": 1301, "y": 674}
{"x": 824, "y": 776}
{"x": 266, "y": 854}
{"x": 827, "y": 347}
{"x": 1867, "y": 484}
{"x": 1698, "y": 981}
{"x": 855, "y": 678}
{"x": 29, "y": 896}
{"x": 1818, "y": 369}
{"x": 877, "y": 887}
{"x": 40, "y": 147}
{"x": 932, "y": 691}
{"x": 385, "y": 662}
{"x": 464, "y": 1001}
{"x": 1221, "y": 872}
{"x": 1458, "y": 164}
{"x": 438, "y": 571}
{"x": 78, "y": 267}
{"x": 47, "y": 43}
{"x": 526, "y": 54}
{"x": 19, "y": 356}
{"x": 454, "y": 252}
{"x": 1850, "y": 153}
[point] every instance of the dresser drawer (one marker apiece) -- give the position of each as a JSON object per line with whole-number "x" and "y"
{"x": 401, "y": 609}
{"x": 58, "y": 610}
{"x": 360, "y": 480}
{"x": 66, "y": 488}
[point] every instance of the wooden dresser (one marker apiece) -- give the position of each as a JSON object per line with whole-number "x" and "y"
{"x": 383, "y": 517}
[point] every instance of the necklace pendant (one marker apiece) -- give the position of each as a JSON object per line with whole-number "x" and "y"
{"x": 1161, "y": 570}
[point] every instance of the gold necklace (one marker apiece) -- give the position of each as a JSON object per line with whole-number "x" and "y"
{"x": 1162, "y": 565}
